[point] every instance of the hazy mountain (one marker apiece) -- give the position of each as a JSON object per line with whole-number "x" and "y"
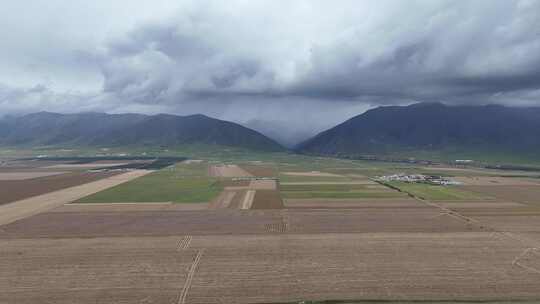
{"x": 431, "y": 126}
{"x": 279, "y": 131}
{"x": 99, "y": 129}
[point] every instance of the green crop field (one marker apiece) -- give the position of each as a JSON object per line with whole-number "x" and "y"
{"x": 435, "y": 192}
{"x": 284, "y": 178}
{"x": 337, "y": 191}
{"x": 182, "y": 183}
{"x": 331, "y": 187}
{"x": 340, "y": 194}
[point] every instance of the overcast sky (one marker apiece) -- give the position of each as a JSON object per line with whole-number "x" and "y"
{"x": 303, "y": 64}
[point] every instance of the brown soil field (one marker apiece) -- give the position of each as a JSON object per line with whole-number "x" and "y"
{"x": 27, "y": 207}
{"x": 254, "y": 184}
{"x": 533, "y": 237}
{"x": 228, "y": 171}
{"x": 521, "y": 194}
{"x": 511, "y": 223}
{"x": 125, "y": 207}
{"x": 234, "y": 183}
{"x": 26, "y": 175}
{"x": 267, "y": 199}
{"x": 259, "y": 171}
{"x": 263, "y": 184}
{"x": 139, "y": 223}
{"x": 353, "y": 203}
{"x": 11, "y": 191}
{"x": 496, "y": 181}
{"x": 366, "y": 220}
{"x": 231, "y": 221}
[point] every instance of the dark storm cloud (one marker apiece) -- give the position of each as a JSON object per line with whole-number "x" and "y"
{"x": 421, "y": 51}
{"x": 311, "y": 61}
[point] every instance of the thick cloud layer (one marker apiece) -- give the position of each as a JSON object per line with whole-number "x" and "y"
{"x": 304, "y": 65}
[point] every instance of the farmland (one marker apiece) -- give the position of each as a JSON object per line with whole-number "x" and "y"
{"x": 267, "y": 229}
{"x": 182, "y": 183}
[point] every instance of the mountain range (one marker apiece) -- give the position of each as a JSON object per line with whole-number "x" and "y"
{"x": 100, "y": 129}
{"x": 380, "y": 131}
{"x": 431, "y": 127}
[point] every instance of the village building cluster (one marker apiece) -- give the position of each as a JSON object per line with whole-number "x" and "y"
{"x": 419, "y": 178}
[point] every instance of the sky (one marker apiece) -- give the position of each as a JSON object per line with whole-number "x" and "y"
{"x": 286, "y": 68}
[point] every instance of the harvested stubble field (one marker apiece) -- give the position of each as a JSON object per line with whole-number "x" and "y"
{"x": 100, "y": 270}
{"x": 267, "y": 268}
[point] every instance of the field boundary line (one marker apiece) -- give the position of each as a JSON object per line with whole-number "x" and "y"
{"x": 187, "y": 285}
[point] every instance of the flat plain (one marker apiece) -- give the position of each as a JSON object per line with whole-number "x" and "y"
{"x": 250, "y": 232}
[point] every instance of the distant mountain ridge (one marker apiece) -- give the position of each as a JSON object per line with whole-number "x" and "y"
{"x": 431, "y": 126}
{"x": 101, "y": 129}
